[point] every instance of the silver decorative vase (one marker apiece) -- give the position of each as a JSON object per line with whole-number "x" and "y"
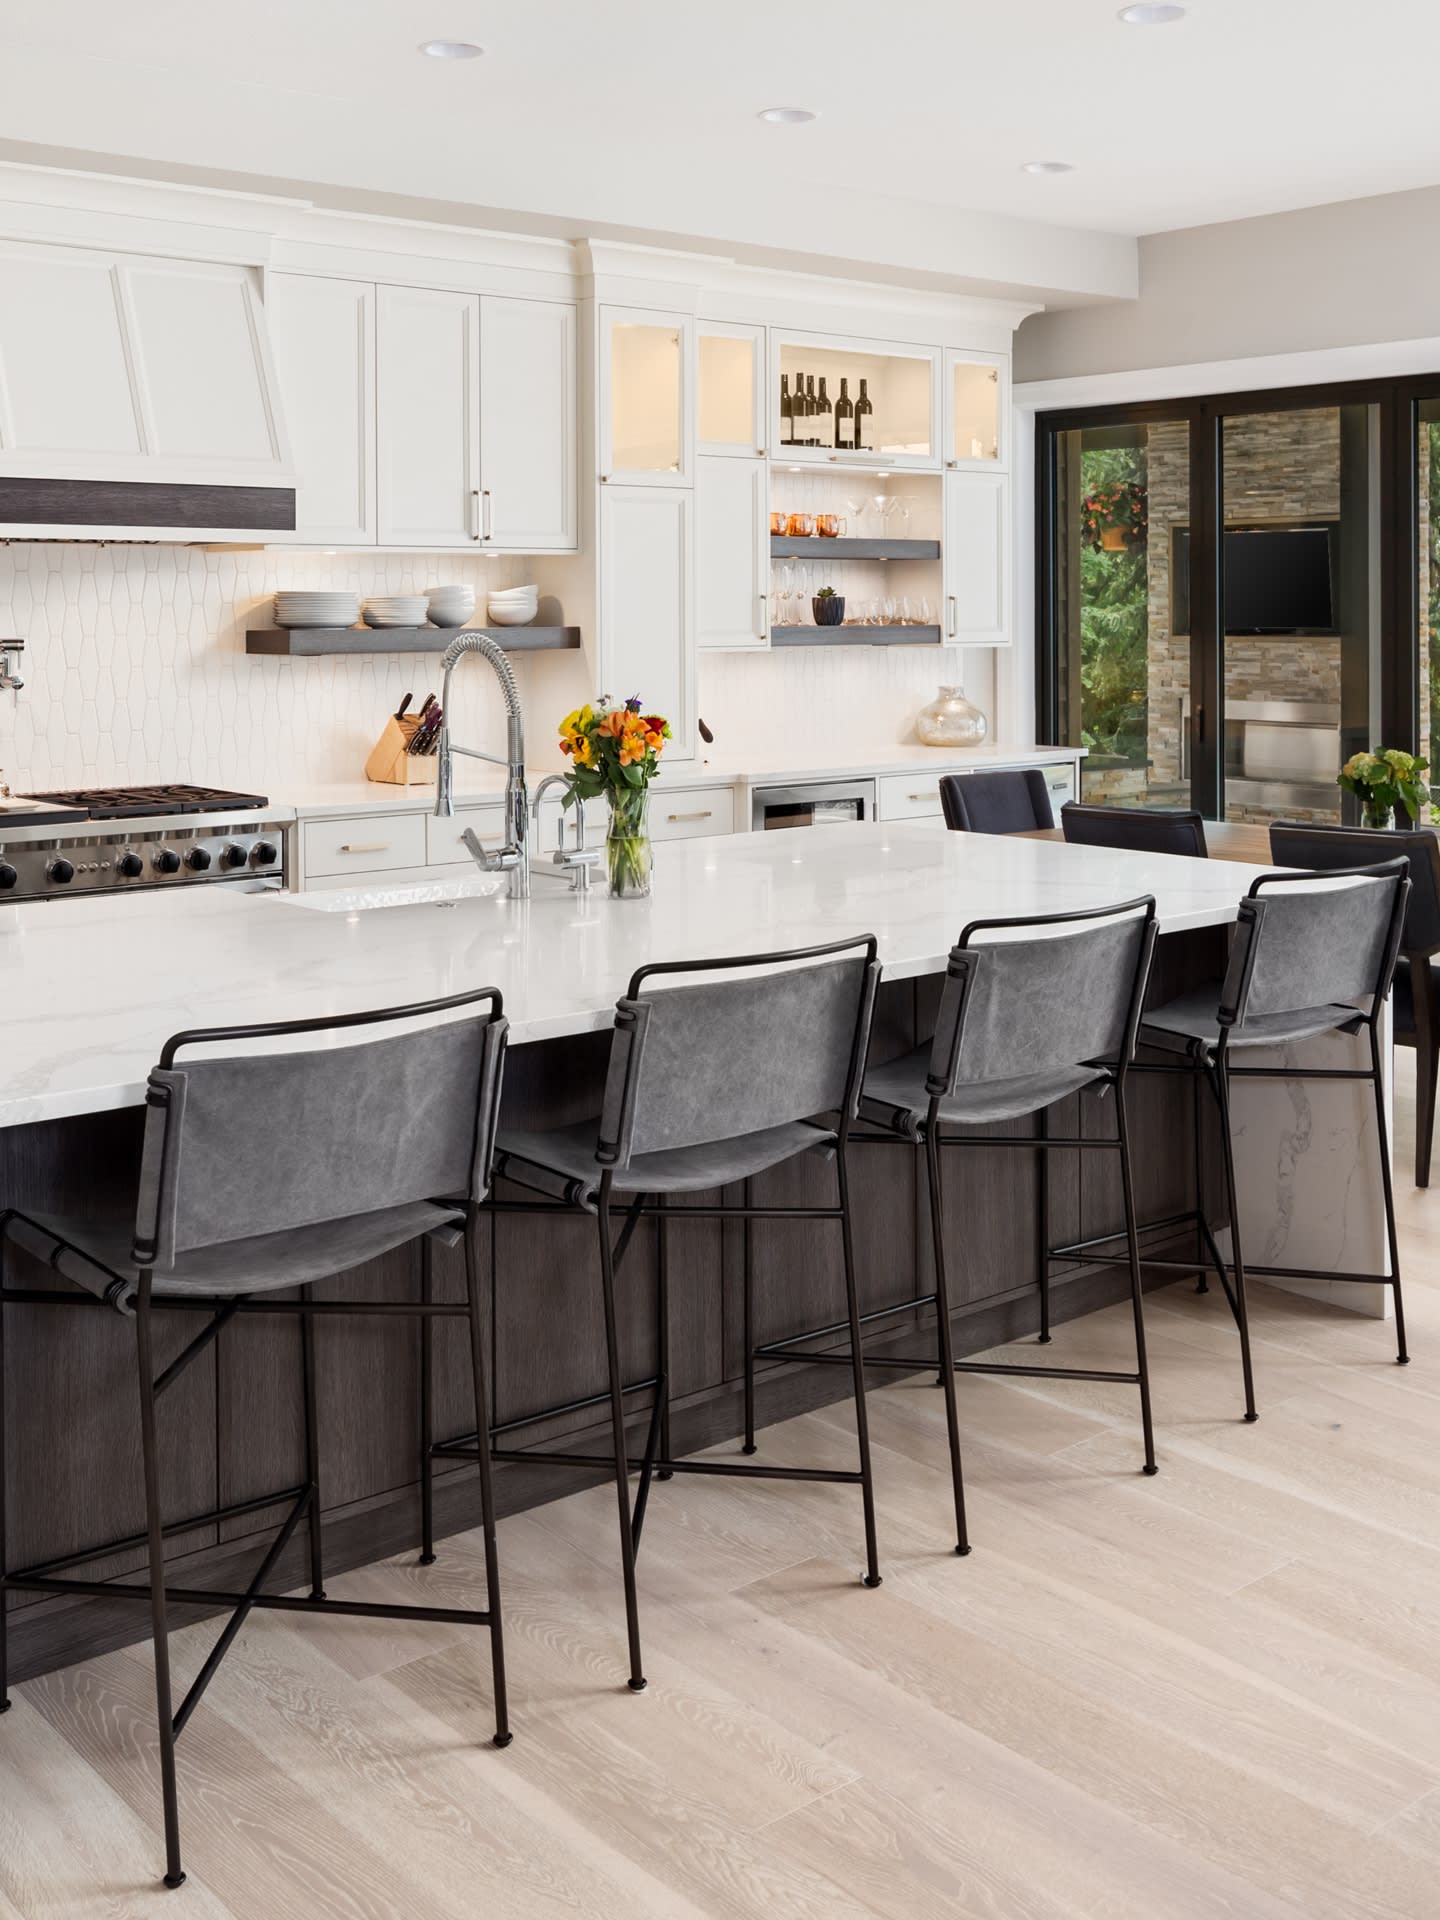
{"x": 951, "y": 720}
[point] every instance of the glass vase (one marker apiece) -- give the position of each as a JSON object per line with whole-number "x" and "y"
{"x": 628, "y": 853}
{"x": 1373, "y": 814}
{"x": 951, "y": 720}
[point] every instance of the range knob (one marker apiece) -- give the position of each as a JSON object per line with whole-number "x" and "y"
{"x": 61, "y": 872}
{"x": 131, "y": 865}
{"x": 8, "y": 876}
{"x": 233, "y": 856}
{"x": 198, "y": 860}
{"x": 265, "y": 855}
{"x": 167, "y": 861}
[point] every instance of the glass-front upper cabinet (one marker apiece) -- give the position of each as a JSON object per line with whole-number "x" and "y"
{"x": 646, "y": 428}
{"x": 977, "y": 409}
{"x": 837, "y": 400}
{"x": 730, "y": 377}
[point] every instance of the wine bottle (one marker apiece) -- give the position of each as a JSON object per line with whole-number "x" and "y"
{"x": 812, "y": 410}
{"x": 797, "y": 409}
{"x": 845, "y": 420}
{"x": 826, "y": 435}
{"x": 864, "y": 425}
{"x": 787, "y": 416}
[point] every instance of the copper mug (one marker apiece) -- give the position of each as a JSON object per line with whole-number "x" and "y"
{"x": 830, "y": 526}
{"x": 779, "y": 523}
{"x": 799, "y": 526}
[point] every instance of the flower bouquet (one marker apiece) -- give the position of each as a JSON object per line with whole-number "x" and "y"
{"x": 1380, "y": 780}
{"x": 615, "y": 751}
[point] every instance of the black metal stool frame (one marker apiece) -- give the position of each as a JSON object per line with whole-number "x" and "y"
{"x": 53, "y": 1576}
{"x": 1111, "y": 1076}
{"x": 1217, "y": 1073}
{"x": 657, "y": 1460}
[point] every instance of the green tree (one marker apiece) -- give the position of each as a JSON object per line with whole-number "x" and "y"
{"x": 1114, "y": 623}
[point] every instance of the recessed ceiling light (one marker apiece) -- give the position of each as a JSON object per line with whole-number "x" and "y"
{"x": 451, "y": 49}
{"x": 1047, "y": 166}
{"x": 786, "y": 116}
{"x": 1151, "y": 13}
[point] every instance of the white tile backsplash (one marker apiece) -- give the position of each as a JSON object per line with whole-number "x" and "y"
{"x": 135, "y": 665}
{"x": 135, "y": 669}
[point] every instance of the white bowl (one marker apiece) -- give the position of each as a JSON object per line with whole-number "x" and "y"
{"x": 511, "y": 616}
{"x": 516, "y": 593}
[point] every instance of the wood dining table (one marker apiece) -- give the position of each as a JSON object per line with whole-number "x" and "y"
{"x": 1238, "y": 840}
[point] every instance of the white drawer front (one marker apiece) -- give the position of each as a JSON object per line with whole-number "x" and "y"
{"x": 909, "y": 796}
{"x": 689, "y": 816}
{"x": 443, "y": 845}
{"x": 1061, "y": 782}
{"x": 377, "y": 843}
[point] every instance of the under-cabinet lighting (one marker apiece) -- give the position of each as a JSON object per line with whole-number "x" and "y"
{"x": 1047, "y": 166}
{"x": 1151, "y": 13}
{"x": 451, "y": 49}
{"x": 786, "y": 116}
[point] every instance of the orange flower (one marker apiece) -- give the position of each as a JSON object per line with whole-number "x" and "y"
{"x": 613, "y": 724}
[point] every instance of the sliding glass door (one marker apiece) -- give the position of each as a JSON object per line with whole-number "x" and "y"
{"x": 1120, "y": 489}
{"x": 1219, "y": 617}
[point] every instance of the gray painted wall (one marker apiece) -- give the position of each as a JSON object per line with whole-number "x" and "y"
{"x": 1349, "y": 274}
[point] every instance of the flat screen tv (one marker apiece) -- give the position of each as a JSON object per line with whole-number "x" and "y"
{"x": 1277, "y": 579}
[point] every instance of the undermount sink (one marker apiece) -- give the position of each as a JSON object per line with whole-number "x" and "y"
{"x": 405, "y": 893}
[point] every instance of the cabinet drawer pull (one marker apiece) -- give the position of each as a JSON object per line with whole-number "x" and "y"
{"x": 487, "y": 522}
{"x": 950, "y": 602}
{"x": 762, "y": 629}
{"x": 934, "y": 791}
{"x": 475, "y": 533}
{"x": 366, "y": 846}
{"x": 674, "y": 819}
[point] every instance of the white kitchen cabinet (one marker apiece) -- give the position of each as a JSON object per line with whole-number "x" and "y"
{"x": 647, "y": 425}
{"x": 527, "y": 425}
{"x": 732, "y": 552}
{"x": 902, "y": 386}
{"x": 647, "y": 605}
{"x": 323, "y": 336}
{"x": 729, "y": 389}
{"x": 427, "y": 367}
{"x": 977, "y": 409}
{"x": 977, "y": 559}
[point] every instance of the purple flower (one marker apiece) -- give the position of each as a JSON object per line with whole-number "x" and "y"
{"x": 633, "y": 704}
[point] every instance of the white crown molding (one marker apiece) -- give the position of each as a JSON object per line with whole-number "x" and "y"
{"x": 1314, "y": 366}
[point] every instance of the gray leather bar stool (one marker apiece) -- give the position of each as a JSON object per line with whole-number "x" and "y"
{"x": 1007, "y": 800}
{"x": 719, "y": 1070}
{"x": 1033, "y": 1010}
{"x": 1311, "y": 955}
{"x": 1139, "y": 829}
{"x": 339, "y": 1153}
{"x": 1296, "y": 843}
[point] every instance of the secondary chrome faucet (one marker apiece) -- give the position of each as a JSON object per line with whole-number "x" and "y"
{"x": 572, "y": 863}
{"x": 513, "y": 856}
{"x": 11, "y": 678}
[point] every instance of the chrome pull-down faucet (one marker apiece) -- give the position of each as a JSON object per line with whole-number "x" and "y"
{"x": 513, "y": 856}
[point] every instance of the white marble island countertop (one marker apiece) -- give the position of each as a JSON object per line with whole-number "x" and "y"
{"x": 93, "y": 987}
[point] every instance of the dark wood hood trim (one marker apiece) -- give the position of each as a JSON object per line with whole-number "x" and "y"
{"x": 144, "y": 503}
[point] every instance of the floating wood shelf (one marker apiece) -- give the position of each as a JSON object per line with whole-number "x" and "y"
{"x": 782, "y": 547}
{"x": 314, "y": 640}
{"x": 856, "y": 636}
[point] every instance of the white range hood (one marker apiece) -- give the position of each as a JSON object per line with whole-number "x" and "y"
{"x": 138, "y": 399}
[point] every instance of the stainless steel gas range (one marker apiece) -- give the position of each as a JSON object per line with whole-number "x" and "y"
{"x": 137, "y": 840}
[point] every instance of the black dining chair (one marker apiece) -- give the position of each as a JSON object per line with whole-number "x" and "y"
{"x": 1138, "y": 829}
{"x": 1295, "y": 843}
{"x": 1007, "y": 800}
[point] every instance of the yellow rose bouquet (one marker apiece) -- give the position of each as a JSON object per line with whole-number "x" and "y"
{"x": 615, "y": 750}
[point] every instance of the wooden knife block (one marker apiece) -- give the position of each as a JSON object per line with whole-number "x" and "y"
{"x": 392, "y": 766}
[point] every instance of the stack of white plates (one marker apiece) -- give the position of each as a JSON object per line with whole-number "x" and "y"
{"x": 450, "y": 606}
{"x": 514, "y": 606}
{"x": 396, "y": 610}
{"x": 316, "y": 609}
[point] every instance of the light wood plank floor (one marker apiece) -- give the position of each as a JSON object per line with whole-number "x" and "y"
{"x": 1214, "y": 1695}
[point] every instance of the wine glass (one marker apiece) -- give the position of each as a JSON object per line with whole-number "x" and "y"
{"x": 855, "y": 508}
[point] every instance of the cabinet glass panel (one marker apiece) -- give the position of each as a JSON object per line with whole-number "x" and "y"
{"x": 975, "y": 398}
{"x": 646, "y": 371}
{"x": 727, "y": 391}
{"x": 857, "y": 400}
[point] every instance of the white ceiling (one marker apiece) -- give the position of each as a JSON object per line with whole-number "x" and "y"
{"x": 640, "y": 114}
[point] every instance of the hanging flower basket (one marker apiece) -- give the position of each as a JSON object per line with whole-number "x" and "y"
{"x": 1116, "y": 518}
